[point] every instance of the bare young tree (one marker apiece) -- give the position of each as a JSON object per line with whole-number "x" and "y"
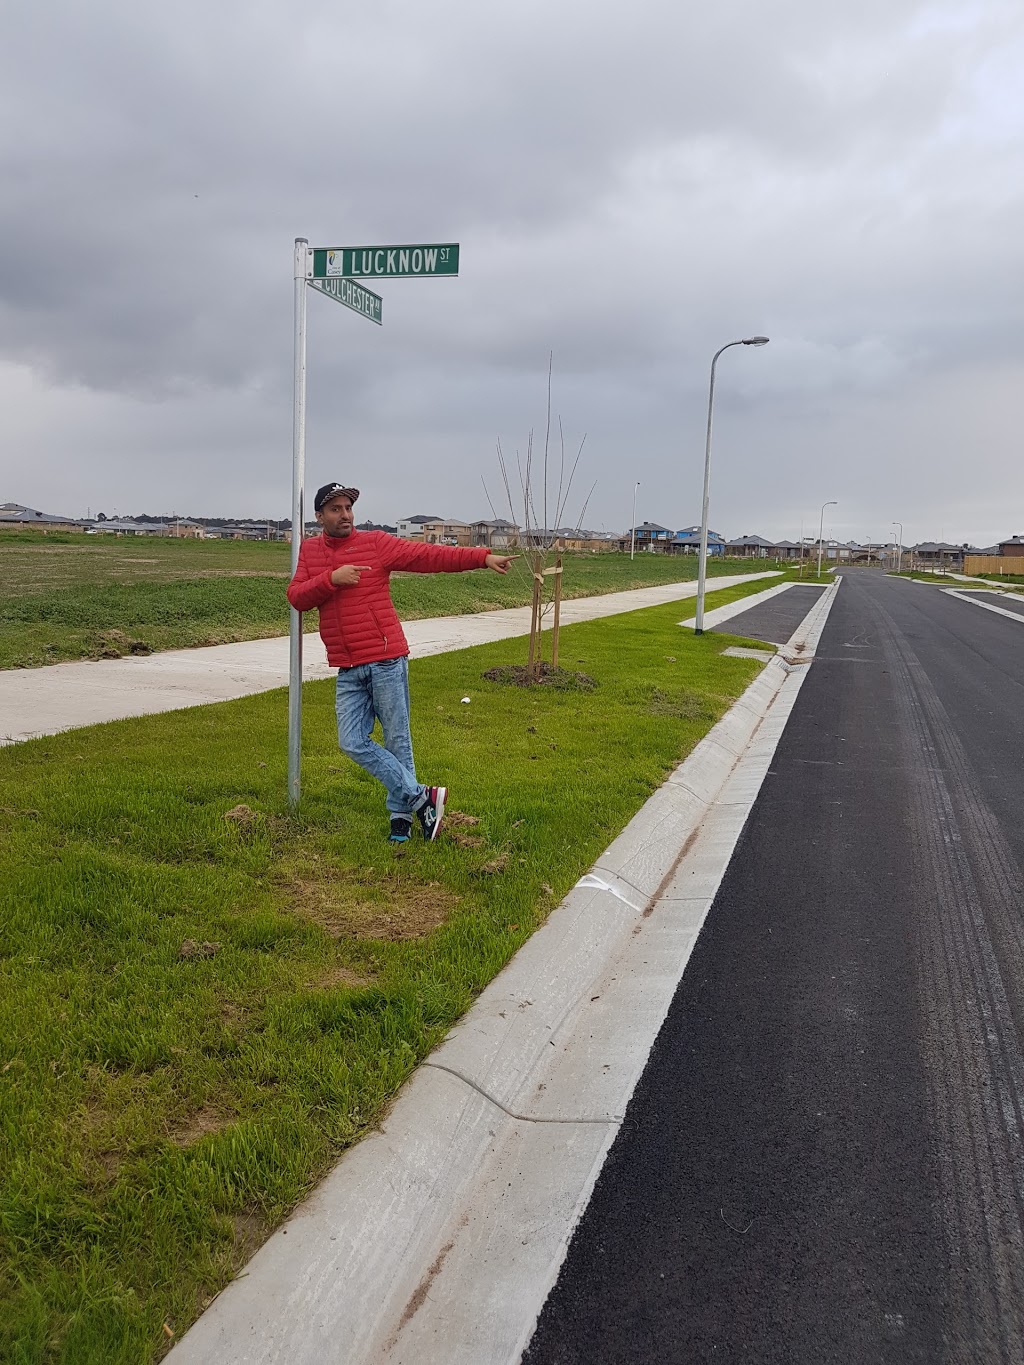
{"x": 528, "y": 486}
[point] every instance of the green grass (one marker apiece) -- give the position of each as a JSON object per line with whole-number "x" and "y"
{"x": 1008, "y": 580}
{"x": 74, "y": 597}
{"x": 162, "y": 1104}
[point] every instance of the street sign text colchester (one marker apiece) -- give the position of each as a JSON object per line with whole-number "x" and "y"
{"x": 382, "y": 262}
{"x": 354, "y": 296}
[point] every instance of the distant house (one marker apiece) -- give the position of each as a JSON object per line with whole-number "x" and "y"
{"x": 749, "y": 547}
{"x": 1013, "y": 547}
{"x": 570, "y": 539}
{"x": 127, "y": 526}
{"x": 788, "y": 549}
{"x": 15, "y": 516}
{"x": 647, "y": 536}
{"x": 938, "y": 554}
{"x": 497, "y": 534}
{"x": 411, "y": 528}
{"x": 687, "y": 541}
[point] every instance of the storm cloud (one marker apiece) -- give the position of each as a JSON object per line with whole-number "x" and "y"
{"x": 632, "y": 186}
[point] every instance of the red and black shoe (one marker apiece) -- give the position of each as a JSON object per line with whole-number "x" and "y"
{"x": 431, "y": 813}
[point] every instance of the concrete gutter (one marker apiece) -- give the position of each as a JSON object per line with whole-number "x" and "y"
{"x": 45, "y": 701}
{"x": 436, "y": 1240}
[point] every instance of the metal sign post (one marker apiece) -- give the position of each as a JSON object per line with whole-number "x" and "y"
{"x": 298, "y": 523}
{"x": 331, "y": 271}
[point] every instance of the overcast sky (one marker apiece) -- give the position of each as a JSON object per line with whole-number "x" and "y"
{"x": 632, "y": 186}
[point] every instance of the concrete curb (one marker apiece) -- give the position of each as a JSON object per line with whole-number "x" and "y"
{"x": 437, "y": 1240}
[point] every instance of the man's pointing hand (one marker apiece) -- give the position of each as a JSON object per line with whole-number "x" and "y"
{"x": 348, "y": 575}
{"x": 499, "y": 563}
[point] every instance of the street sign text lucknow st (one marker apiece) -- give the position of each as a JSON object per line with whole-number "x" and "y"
{"x": 354, "y": 296}
{"x": 382, "y": 262}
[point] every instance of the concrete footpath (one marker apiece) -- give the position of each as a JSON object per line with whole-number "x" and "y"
{"x": 44, "y": 701}
{"x": 436, "y": 1240}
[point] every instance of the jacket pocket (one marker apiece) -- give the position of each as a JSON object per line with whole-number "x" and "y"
{"x": 376, "y": 622}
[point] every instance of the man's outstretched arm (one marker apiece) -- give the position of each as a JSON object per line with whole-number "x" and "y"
{"x": 414, "y": 557}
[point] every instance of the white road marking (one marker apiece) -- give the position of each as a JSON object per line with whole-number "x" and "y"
{"x": 989, "y": 606}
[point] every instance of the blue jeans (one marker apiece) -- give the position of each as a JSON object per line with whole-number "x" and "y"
{"x": 380, "y": 691}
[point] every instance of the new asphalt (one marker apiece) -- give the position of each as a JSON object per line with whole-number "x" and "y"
{"x": 824, "y": 1159}
{"x": 776, "y": 619}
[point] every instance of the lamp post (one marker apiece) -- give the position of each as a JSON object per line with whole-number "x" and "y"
{"x": 632, "y": 534}
{"x": 821, "y": 527}
{"x": 899, "y": 553}
{"x": 702, "y": 564}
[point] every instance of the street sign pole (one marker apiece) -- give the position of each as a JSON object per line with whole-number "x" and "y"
{"x": 298, "y": 524}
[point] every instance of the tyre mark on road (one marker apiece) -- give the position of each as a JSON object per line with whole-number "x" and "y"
{"x": 970, "y": 954}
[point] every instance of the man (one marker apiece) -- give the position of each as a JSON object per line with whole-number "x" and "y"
{"x": 345, "y": 574}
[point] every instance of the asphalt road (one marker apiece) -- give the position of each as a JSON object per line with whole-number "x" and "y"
{"x": 824, "y": 1160}
{"x": 776, "y": 619}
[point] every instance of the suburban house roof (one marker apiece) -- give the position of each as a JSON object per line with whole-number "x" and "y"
{"x": 752, "y": 540}
{"x": 126, "y": 524}
{"x": 421, "y": 521}
{"x": 693, "y": 533}
{"x": 16, "y": 511}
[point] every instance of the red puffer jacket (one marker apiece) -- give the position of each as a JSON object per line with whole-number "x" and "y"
{"x": 359, "y": 625}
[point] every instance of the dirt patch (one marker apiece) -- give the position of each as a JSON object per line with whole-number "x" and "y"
{"x": 336, "y": 978}
{"x": 360, "y": 911}
{"x": 203, "y": 1123}
{"x": 115, "y": 644}
{"x": 241, "y": 815}
{"x": 680, "y": 705}
{"x": 466, "y": 840}
{"x": 249, "y": 1230}
{"x": 191, "y": 949}
{"x": 558, "y": 679}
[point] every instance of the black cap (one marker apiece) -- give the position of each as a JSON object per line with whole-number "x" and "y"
{"x": 333, "y": 490}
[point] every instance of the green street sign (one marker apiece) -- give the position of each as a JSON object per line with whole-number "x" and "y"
{"x": 354, "y": 296}
{"x": 382, "y": 262}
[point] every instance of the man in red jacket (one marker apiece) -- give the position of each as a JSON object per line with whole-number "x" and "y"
{"x": 345, "y": 574}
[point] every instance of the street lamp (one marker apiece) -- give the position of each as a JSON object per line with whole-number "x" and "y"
{"x": 632, "y": 534}
{"x": 702, "y": 565}
{"x": 899, "y": 555}
{"x": 821, "y": 528}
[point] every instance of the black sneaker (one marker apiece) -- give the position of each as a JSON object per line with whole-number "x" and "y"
{"x": 431, "y": 813}
{"x": 401, "y": 829}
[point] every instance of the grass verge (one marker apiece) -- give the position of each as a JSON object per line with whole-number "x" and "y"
{"x": 65, "y": 599}
{"x": 204, "y": 1000}
{"x": 1008, "y": 582}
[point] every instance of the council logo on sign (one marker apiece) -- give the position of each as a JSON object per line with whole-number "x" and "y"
{"x": 334, "y": 262}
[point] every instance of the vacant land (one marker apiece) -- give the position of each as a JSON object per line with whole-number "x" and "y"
{"x": 204, "y": 999}
{"x": 74, "y": 597}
